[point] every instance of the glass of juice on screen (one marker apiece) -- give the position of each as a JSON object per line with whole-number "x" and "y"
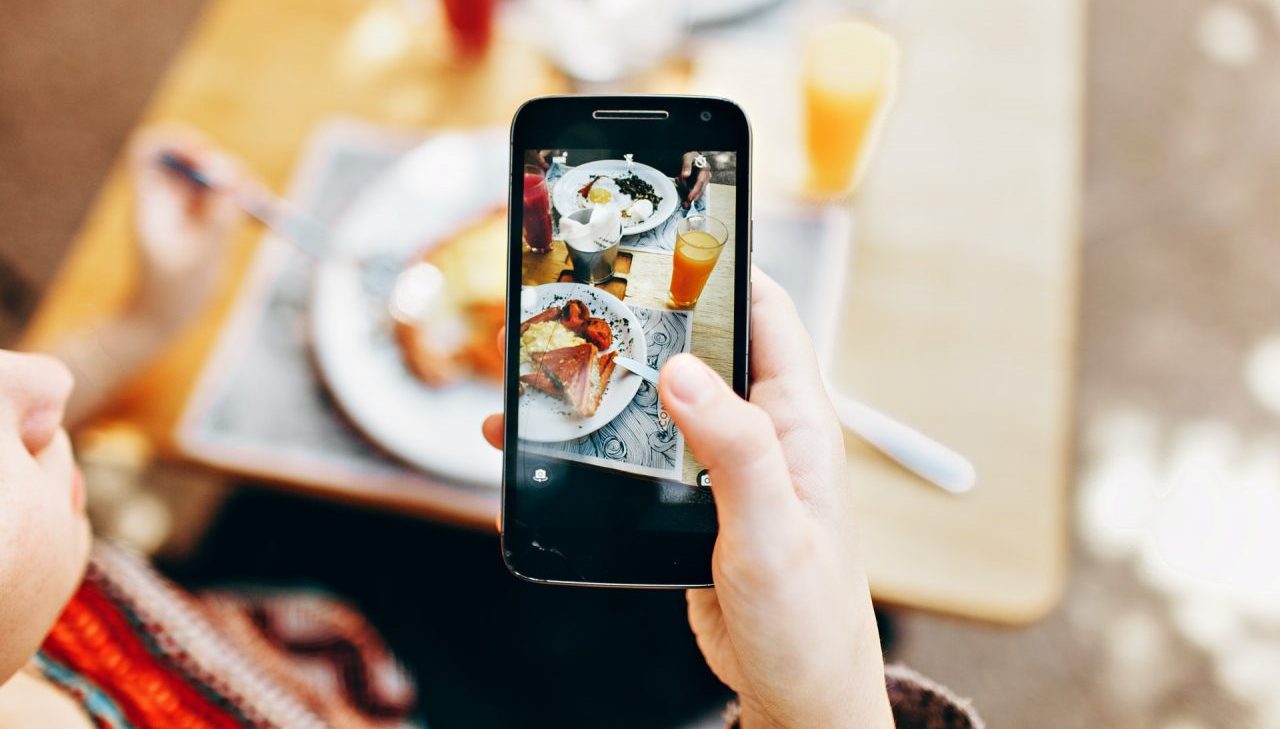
{"x": 699, "y": 240}
{"x": 537, "y": 210}
{"x": 850, "y": 72}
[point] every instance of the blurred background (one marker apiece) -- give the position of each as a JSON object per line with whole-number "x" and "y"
{"x": 1058, "y": 262}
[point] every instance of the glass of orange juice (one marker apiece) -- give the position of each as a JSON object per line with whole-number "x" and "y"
{"x": 699, "y": 240}
{"x": 850, "y": 73}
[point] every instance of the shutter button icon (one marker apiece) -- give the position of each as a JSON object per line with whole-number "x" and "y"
{"x": 540, "y": 475}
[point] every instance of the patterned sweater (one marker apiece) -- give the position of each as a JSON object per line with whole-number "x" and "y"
{"x": 137, "y": 652}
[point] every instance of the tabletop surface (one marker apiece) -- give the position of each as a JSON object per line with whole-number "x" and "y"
{"x": 960, "y": 313}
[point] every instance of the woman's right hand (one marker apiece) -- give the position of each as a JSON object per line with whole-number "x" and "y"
{"x": 789, "y": 624}
{"x": 183, "y": 229}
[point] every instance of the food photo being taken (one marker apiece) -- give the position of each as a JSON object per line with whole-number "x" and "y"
{"x": 679, "y": 364}
{"x": 90, "y": 622}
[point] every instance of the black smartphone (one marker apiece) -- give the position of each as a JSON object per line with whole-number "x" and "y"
{"x": 630, "y": 242}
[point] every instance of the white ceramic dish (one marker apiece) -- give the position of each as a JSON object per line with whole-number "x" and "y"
{"x": 436, "y": 189}
{"x": 545, "y": 419}
{"x": 566, "y": 199}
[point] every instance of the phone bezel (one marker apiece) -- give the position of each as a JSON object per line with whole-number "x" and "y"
{"x": 606, "y": 552}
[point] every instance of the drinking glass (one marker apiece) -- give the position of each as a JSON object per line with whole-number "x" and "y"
{"x": 537, "y": 210}
{"x": 699, "y": 240}
{"x": 850, "y": 71}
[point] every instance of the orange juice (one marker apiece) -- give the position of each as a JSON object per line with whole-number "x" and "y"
{"x": 699, "y": 240}
{"x": 850, "y": 75}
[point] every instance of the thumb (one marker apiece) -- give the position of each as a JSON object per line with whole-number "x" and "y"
{"x": 735, "y": 440}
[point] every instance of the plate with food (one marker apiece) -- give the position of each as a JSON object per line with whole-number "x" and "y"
{"x": 420, "y": 384}
{"x": 644, "y": 196}
{"x": 569, "y": 336}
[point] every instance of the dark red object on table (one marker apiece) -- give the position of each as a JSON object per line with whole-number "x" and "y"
{"x": 537, "y": 211}
{"x": 471, "y": 25}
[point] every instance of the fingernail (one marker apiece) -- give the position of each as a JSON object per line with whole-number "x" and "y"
{"x": 691, "y": 381}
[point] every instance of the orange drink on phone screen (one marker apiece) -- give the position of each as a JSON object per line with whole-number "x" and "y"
{"x": 850, "y": 72}
{"x": 699, "y": 240}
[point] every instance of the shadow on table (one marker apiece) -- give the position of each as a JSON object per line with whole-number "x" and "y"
{"x": 487, "y": 649}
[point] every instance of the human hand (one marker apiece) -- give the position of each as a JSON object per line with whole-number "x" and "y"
{"x": 183, "y": 229}
{"x": 789, "y": 625}
{"x": 695, "y": 183}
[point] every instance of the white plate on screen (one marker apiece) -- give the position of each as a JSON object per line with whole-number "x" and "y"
{"x": 436, "y": 189}
{"x": 546, "y": 419}
{"x": 566, "y": 199}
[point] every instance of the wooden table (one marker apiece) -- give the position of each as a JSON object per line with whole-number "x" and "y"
{"x": 961, "y": 313}
{"x": 959, "y": 318}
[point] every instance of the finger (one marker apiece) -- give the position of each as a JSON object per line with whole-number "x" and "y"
{"x": 788, "y": 384}
{"x": 38, "y": 388}
{"x": 492, "y": 429}
{"x": 698, "y": 188}
{"x": 737, "y": 443}
{"x": 493, "y": 425}
{"x": 215, "y": 203}
{"x": 686, "y": 166}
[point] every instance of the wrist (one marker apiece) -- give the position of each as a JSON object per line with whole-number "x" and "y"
{"x": 864, "y": 705}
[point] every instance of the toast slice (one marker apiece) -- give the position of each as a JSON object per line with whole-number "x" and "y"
{"x": 576, "y": 370}
{"x": 541, "y": 381}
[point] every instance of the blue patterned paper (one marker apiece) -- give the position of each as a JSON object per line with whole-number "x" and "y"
{"x": 642, "y": 439}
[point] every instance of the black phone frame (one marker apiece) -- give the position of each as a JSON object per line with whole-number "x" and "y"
{"x": 598, "y": 526}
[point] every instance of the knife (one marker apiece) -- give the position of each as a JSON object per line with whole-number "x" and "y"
{"x": 645, "y": 371}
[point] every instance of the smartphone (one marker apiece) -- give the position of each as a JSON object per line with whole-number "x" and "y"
{"x": 618, "y": 260}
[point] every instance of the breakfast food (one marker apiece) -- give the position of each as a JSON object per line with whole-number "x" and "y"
{"x": 562, "y": 345}
{"x": 639, "y": 211}
{"x": 599, "y": 190}
{"x": 574, "y": 374}
{"x": 450, "y": 330}
{"x": 637, "y": 188}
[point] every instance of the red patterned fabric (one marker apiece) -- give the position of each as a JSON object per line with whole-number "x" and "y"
{"x": 138, "y": 652}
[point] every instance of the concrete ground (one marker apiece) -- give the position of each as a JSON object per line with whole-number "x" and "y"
{"x": 1170, "y": 620}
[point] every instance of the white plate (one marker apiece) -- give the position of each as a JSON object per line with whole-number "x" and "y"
{"x": 436, "y": 189}
{"x": 546, "y": 419}
{"x": 566, "y": 199}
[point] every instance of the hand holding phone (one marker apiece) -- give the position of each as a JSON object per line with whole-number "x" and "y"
{"x": 789, "y": 625}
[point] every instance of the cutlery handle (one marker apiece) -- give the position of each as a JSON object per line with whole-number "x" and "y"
{"x": 915, "y": 451}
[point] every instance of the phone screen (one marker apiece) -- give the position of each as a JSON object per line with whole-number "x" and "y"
{"x": 629, "y": 254}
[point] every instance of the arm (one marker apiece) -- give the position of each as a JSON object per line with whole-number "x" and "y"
{"x": 181, "y": 236}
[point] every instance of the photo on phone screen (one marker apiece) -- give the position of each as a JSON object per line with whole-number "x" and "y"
{"x": 624, "y": 257}
{"x": 628, "y": 241}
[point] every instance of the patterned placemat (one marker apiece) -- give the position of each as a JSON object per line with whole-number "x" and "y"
{"x": 661, "y": 239}
{"x": 642, "y": 439}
